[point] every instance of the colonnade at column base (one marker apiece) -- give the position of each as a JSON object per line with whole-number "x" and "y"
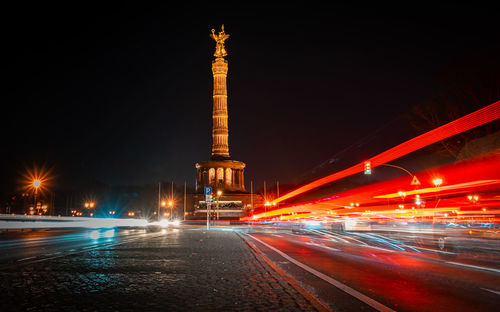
{"x": 224, "y": 174}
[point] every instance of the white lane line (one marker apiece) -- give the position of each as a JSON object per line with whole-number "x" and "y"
{"x": 322, "y": 246}
{"x": 349, "y": 237}
{"x": 491, "y": 290}
{"x": 27, "y": 258}
{"x": 369, "y": 301}
{"x": 435, "y": 250}
{"x": 474, "y": 266}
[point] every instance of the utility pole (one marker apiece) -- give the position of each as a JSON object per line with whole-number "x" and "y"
{"x": 52, "y": 209}
{"x": 172, "y": 199}
{"x": 184, "y": 201}
{"x": 251, "y": 194}
{"x": 159, "y": 199}
{"x": 265, "y": 198}
{"x": 278, "y": 191}
{"x": 67, "y": 203}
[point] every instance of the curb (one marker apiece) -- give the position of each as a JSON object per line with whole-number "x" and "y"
{"x": 316, "y": 303}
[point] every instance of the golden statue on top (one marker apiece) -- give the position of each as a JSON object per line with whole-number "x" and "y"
{"x": 220, "y": 51}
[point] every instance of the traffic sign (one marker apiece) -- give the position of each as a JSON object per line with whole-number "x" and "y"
{"x": 415, "y": 181}
{"x": 208, "y": 190}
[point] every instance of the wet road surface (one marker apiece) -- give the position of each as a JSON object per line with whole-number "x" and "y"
{"x": 380, "y": 271}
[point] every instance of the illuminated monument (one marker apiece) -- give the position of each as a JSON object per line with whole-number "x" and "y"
{"x": 221, "y": 172}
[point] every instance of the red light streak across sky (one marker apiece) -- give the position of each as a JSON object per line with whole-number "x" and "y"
{"x": 461, "y": 179}
{"x": 467, "y": 122}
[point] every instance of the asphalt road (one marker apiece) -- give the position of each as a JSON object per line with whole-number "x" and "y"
{"x": 381, "y": 271}
{"x": 181, "y": 268}
{"x": 21, "y": 247}
{"x": 347, "y": 271}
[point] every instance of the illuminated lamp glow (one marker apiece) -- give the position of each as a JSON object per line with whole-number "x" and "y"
{"x": 467, "y": 122}
{"x": 437, "y": 181}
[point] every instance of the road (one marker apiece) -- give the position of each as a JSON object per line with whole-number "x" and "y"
{"x": 22, "y": 247}
{"x": 376, "y": 270}
{"x": 384, "y": 271}
{"x": 179, "y": 268}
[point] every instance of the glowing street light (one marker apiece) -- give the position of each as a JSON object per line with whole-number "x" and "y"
{"x": 90, "y": 205}
{"x": 219, "y": 193}
{"x": 36, "y": 184}
{"x": 437, "y": 182}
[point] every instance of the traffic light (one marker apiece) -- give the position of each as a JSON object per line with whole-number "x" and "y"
{"x": 211, "y": 197}
{"x": 368, "y": 167}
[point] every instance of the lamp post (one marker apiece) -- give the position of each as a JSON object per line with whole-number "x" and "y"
{"x": 219, "y": 193}
{"x": 90, "y": 205}
{"x": 163, "y": 204}
{"x": 437, "y": 182}
{"x": 36, "y": 184}
{"x": 171, "y": 205}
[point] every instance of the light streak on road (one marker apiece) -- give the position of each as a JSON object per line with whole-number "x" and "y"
{"x": 358, "y": 295}
{"x": 69, "y": 222}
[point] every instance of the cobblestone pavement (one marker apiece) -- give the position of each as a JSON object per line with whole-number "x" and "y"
{"x": 182, "y": 270}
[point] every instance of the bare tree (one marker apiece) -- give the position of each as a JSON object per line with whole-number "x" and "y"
{"x": 470, "y": 86}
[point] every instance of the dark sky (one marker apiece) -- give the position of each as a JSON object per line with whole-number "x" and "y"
{"x": 122, "y": 94}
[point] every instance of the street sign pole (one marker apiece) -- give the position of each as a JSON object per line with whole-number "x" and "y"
{"x": 208, "y": 194}
{"x": 208, "y": 215}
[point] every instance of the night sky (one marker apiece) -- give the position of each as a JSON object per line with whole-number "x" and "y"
{"x": 123, "y": 94}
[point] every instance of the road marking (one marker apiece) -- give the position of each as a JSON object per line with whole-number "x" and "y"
{"x": 345, "y": 237}
{"x": 474, "y": 266}
{"x": 322, "y": 246}
{"x": 435, "y": 250}
{"x": 493, "y": 291}
{"x": 369, "y": 301}
{"x": 26, "y": 258}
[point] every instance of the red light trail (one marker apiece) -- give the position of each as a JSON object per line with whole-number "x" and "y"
{"x": 397, "y": 198}
{"x": 467, "y": 122}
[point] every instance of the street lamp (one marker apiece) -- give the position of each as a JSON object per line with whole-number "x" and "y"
{"x": 170, "y": 204}
{"x": 219, "y": 193}
{"x": 90, "y": 205}
{"x": 36, "y": 184}
{"x": 437, "y": 182}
